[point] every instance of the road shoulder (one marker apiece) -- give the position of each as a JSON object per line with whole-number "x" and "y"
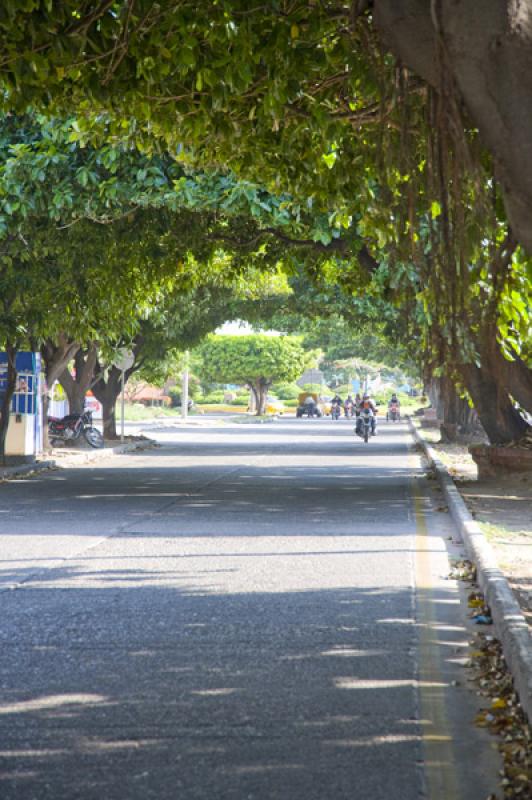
{"x": 509, "y": 621}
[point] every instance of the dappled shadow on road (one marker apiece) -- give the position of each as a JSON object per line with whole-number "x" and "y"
{"x": 304, "y": 427}
{"x": 247, "y": 501}
{"x": 134, "y": 688}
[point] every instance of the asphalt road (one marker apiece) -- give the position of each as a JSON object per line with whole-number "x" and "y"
{"x": 248, "y": 612}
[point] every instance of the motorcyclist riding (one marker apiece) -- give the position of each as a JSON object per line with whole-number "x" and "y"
{"x": 367, "y": 402}
{"x": 394, "y": 408}
{"x": 336, "y": 406}
{"x": 348, "y": 406}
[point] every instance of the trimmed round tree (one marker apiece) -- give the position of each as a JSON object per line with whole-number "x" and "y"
{"x": 256, "y": 360}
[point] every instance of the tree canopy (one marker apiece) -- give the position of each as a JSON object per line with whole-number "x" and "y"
{"x": 256, "y": 360}
{"x": 381, "y": 136}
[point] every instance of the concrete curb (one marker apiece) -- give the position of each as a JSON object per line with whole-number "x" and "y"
{"x": 25, "y": 469}
{"x": 82, "y": 457}
{"x": 510, "y": 625}
{"x": 87, "y": 456}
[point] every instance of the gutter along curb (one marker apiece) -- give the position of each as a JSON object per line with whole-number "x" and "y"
{"x": 509, "y": 623}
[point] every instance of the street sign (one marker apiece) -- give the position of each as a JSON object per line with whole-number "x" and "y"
{"x": 311, "y": 376}
{"x": 124, "y": 359}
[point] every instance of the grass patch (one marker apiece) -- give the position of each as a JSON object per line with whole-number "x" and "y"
{"x": 497, "y": 532}
{"x": 134, "y": 413}
{"x": 252, "y": 420}
{"x": 222, "y": 407}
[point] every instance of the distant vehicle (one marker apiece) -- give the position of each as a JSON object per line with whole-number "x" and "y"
{"x": 325, "y": 403}
{"x": 274, "y": 405}
{"x": 394, "y": 412}
{"x": 336, "y": 410}
{"x": 364, "y": 427}
{"x": 308, "y": 405}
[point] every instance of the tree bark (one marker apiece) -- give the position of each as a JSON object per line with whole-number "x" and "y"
{"x": 489, "y": 54}
{"x": 76, "y": 387}
{"x": 457, "y": 416}
{"x": 515, "y": 375}
{"x": 107, "y": 392}
{"x": 501, "y": 421}
{"x": 5, "y": 409}
{"x": 56, "y": 356}
{"x": 259, "y": 387}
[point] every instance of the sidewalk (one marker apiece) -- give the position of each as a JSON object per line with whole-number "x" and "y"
{"x": 493, "y": 519}
{"x": 503, "y": 508}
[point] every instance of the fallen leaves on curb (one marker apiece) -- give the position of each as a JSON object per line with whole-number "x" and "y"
{"x": 481, "y": 614}
{"x": 463, "y": 570}
{"x": 503, "y": 717}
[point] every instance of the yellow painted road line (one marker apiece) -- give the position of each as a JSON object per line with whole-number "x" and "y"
{"x": 439, "y": 758}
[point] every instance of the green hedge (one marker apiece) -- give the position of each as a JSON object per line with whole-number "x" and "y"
{"x": 213, "y": 397}
{"x": 286, "y": 391}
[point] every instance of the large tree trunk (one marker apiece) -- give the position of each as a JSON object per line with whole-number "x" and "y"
{"x": 457, "y": 416}
{"x": 107, "y": 392}
{"x": 488, "y": 51}
{"x": 501, "y": 421}
{"x": 5, "y": 409}
{"x": 515, "y": 375}
{"x": 56, "y": 356}
{"x": 260, "y": 388}
{"x": 76, "y": 387}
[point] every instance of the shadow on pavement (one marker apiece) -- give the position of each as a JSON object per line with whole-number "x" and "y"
{"x": 141, "y": 691}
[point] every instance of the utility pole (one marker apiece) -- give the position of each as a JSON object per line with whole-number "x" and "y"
{"x": 184, "y": 388}
{"x": 124, "y": 360}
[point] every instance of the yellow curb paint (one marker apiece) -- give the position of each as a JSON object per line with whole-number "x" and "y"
{"x": 439, "y": 760}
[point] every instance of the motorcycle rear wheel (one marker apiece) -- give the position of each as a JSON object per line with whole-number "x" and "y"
{"x": 93, "y": 437}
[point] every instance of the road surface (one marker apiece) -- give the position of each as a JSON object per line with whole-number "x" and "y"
{"x": 248, "y": 612}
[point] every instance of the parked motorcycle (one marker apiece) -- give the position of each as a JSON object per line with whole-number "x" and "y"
{"x": 72, "y": 427}
{"x": 365, "y": 424}
{"x": 393, "y": 413}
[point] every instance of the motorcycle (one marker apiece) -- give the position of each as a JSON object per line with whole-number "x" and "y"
{"x": 393, "y": 413}
{"x": 72, "y": 427}
{"x": 348, "y": 409}
{"x": 336, "y": 411}
{"x": 365, "y": 424}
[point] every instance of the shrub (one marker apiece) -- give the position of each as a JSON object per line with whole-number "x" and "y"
{"x": 213, "y": 397}
{"x": 286, "y": 391}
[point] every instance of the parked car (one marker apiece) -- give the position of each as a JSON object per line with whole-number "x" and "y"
{"x": 274, "y": 406}
{"x": 325, "y": 403}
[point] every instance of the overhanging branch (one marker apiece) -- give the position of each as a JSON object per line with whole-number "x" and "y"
{"x": 342, "y": 246}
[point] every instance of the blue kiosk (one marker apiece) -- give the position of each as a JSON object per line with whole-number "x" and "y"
{"x": 24, "y": 434}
